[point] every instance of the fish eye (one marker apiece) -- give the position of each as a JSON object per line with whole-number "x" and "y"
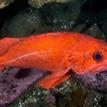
{"x": 97, "y": 56}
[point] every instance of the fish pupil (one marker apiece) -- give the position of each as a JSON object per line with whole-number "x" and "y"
{"x": 97, "y": 56}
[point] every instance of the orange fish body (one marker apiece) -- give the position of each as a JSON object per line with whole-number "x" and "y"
{"x": 58, "y": 53}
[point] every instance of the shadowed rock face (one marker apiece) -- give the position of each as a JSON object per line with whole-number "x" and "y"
{"x": 5, "y": 3}
{"x": 97, "y": 81}
{"x": 15, "y": 82}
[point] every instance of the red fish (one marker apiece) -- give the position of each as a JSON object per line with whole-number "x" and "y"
{"x": 59, "y": 52}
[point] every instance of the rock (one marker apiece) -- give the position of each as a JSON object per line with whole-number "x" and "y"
{"x": 24, "y": 23}
{"x": 40, "y": 3}
{"x": 61, "y": 16}
{"x": 102, "y": 24}
{"x": 15, "y": 82}
{"x": 93, "y": 99}
{"x": 4, "y": 3}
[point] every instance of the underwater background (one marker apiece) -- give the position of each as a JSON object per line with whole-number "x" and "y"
{"x": 20, "y": 18}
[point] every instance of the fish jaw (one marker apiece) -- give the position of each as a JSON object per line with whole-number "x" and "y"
{"x": 95, "y": 68}
{"x": 95, "y": 77}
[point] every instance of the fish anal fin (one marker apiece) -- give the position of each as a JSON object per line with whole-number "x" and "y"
{"x": 53, "y": 80}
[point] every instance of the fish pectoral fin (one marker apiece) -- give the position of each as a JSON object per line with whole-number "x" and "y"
{"x": 53, "y": 80}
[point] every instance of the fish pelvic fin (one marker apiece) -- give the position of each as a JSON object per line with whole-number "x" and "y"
{"x": 53, "y": 80}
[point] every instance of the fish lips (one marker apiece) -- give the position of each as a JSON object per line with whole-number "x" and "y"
{"x": 94, "y": 80}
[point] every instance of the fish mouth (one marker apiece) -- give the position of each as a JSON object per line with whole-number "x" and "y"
{"x": 95, "y": 80}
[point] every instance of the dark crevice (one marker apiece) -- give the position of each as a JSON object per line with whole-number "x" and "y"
{"x": 70, "y": 72}
{"x": 22, "y": 73}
